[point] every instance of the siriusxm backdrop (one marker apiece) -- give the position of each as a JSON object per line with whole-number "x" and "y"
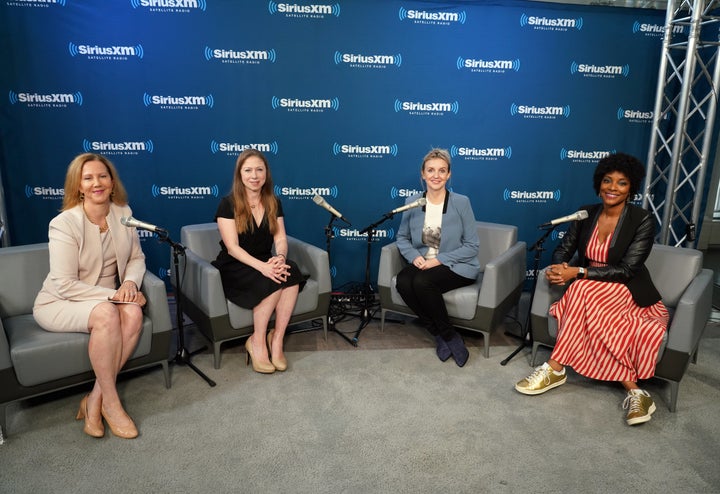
{"x": 344, "y": 97}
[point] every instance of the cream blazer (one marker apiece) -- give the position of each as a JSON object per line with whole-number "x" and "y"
{"x": 76, "y": 256}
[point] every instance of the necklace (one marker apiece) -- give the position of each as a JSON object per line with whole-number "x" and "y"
{"x": 102, "y": 227}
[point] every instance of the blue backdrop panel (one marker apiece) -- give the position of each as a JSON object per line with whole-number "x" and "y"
{"x": 344, "y": 98}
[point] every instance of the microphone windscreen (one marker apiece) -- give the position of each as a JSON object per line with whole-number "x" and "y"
{"x": 317, "y": 200}
{"x": 124, "y": 220}
{"x": 582, "y": 214}
{"x": 422, "y": 201}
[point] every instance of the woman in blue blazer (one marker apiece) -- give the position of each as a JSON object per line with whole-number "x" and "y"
{"x": 440, "y": 243}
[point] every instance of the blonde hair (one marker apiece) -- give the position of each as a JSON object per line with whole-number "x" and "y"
{"x": 439, "y": 153}
{"x": 73, "y": 197}
{"x": 242, "y": 211}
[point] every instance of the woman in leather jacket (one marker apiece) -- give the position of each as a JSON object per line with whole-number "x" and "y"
{"x": 611, "y": 320}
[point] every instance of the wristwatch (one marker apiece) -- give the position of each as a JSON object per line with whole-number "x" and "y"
{"x": 581, "y": 273}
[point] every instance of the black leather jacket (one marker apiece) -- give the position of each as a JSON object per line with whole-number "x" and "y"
{"x": 629, "y": 248}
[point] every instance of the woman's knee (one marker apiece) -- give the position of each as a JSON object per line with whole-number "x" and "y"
{"x": 104, "y": 315}
{"x": 131, "y": 317}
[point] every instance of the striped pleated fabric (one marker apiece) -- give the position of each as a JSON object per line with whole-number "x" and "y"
{"x": 602, "y": 333}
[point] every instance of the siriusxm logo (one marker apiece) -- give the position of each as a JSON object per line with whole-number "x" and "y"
{"x": 556, "y": 235}
{"x": 492, "y": 66}
{"x": 163, "y": 273}
{"x": 419, "y": 108}
{"x": 655, "y": 30}
{"x": 312, "y": 11}
{"x": 525, "y": 196}
{"x": 579, "y": 156}
{"x": 240, "y": 56}
{"x": 305, "y": 105}
{"x": 145, "y": 234}
{"x": 395, "y": 192}
{"x": 44, "y": 192}
{"x": 432, "y": 17}
{"x": 551, "y": 24}
{"x": 548, "y": 112}
{"x": 35, "y": 3}
{"x": 179, "y": 102}
{"x": 481, "y": 153}
{"x": 635, "y": 115}
{"x": 106, "y": 52}
{"x": 170, "y": 5}
{"x": 305, "y": 193}
{"x": 127, "y": 147}
{"x": 367, "y": 61}
{"x": 51, "y": 100}
{"x": 608, "y": 71}
{"x": 357, "y": 151}
{"x": 354, "y": 234}
{"x": 234, "y": 148}
{"x": 193, "y": 192}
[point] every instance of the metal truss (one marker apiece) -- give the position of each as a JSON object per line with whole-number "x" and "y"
{"x": 684, "y": 116}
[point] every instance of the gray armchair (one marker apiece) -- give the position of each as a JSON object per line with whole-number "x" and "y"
{"x": 34, "y": 361}
{"x": 686, "y": 290}
{"x": 481, "y": 306}
{"x": 218, "y": 319}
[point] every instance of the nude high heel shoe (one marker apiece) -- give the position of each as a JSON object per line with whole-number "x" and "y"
{"x": 91, "y": 429}
{"x": 260, "y": 367}
{"x": 279, "y": 363}
{"x": 125, "y": 432}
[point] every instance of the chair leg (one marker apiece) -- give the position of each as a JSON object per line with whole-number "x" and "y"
{"x": 166, "y": 374}
{"x": 674, "y": 388}
{"x": 534, "y": 353}
{"x": 382, "y": 319}
{"x": 324, "y": 322}
{"x": 3, "y": 421}
{"x": 216, "y": 354}
{"x": 486, "y": 343}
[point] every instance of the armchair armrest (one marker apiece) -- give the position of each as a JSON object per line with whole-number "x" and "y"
{"x": 502, "y": 276}
{"x": 691, "y": 313}
{"x": 200, "y": 283}
{"x": 391, "y": 263}
{"x": 311, "y": 260}
{"x": 157, "y": 308}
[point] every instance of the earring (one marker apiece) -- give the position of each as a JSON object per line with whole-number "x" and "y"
{"x": 82, "y": 196}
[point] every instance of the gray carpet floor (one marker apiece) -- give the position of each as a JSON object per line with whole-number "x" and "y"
{"x": 378, "y": 420}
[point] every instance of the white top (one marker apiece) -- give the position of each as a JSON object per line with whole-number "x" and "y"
{"x": 432, "y": 228}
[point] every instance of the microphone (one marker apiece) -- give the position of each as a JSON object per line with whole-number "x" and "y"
{"x": 417, "y": 203}
{"x": 324, "y": 204}
{"x": 578, "y": 215}
{"x": 132, "y": 222}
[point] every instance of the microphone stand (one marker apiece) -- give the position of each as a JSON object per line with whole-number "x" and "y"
{"x": 367, "y": 293}
{"x": 334, "y": 306}
{"x": 182, "y": 356}
{"x": 527, "y": 330}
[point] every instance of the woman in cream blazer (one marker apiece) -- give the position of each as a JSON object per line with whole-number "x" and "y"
{"x": 96, "y": 268}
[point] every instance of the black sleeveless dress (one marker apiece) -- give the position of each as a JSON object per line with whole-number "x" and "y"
{"x": 244, "y": 285}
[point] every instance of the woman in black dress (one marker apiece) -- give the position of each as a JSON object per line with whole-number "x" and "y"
{"x": 250, "y": 221}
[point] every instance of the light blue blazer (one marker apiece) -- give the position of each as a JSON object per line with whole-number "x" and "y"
{"x": 459, "y": 243}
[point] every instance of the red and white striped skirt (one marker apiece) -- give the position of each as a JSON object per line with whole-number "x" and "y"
{"x": 603, "y": 334}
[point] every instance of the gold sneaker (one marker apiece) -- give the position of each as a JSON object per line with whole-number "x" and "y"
{"x": 543, "y": 379}
{"x": 640, "y": 406}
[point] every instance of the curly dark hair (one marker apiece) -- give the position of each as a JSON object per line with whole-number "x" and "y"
{"x": 628, "y": 165}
